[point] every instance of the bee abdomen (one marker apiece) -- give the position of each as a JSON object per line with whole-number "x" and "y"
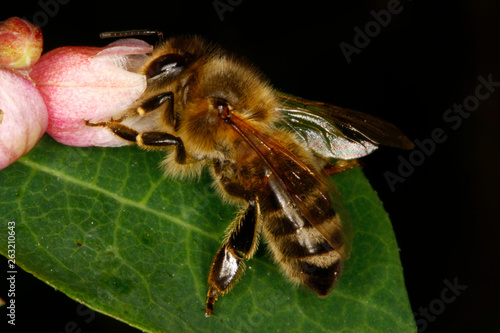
{"x": 320, "y": 279}
{"x": 303, "y": 253}
{"x": 301, "y": 245}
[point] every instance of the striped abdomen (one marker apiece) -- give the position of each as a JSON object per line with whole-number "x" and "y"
{"x": 303, "y": 252}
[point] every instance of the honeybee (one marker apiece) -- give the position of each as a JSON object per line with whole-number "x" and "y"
{"x": 268, "y": 152}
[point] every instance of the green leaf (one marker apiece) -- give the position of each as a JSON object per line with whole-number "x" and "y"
{"x": 103, "y": 226}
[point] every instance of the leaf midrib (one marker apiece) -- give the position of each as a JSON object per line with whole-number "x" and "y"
{"x": 122, "y": 200}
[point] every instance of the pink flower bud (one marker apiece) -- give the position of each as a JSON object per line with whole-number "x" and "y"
{"x": 23, "y": 116}
{"x": 89, "y": 83}
{"x": 21, "y": 43}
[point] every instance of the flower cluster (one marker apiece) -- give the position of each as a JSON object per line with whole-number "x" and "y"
{"x": 58, "y": 91}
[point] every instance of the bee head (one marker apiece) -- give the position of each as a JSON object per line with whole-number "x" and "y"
{"x": 226, "y": 87}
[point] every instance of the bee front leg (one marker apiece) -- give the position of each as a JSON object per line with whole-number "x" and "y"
{"x": 118, "y": 129}
{"x": 148, "y": 140}
{"x": 161, "y": 140}
{"x": 227, "y": 266}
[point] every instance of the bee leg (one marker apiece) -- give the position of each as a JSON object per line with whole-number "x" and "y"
{"x": 161, "y": 140}
{"x": 340, "y": 166}
{"x": 227, "y": 266}
{"x": 155, "y": 102}
{"x": 151, "y": 140}
{"x": 169, "y": 114}
{"x": 122, "y": 131}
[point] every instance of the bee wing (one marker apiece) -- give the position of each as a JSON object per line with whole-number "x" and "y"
{"x": 288, "y": 178}
{"x": 334, "y": 132}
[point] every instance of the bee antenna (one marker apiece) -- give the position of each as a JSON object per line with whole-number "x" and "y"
{"x": 132, "y": 33}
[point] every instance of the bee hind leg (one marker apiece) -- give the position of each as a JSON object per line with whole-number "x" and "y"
{"x": 340, "y": 166}
{"x": 227, "y": 266}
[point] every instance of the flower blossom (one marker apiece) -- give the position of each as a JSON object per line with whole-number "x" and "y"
{"x": 89, "y": 83}
{"x": 23, "y": 116}
{"x": 21, "y": 43}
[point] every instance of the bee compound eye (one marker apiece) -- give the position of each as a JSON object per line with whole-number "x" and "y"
{"x": 168, "y": 64}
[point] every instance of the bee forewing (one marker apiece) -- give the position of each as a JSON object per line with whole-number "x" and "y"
{"x": 323, "y": 137}
{"x": 291, "y": 179}
{"x": 335, "y": 132}
{"x": 345, "y": 219}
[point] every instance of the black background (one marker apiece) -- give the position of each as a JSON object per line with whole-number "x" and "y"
{"x": 427, "y": 58}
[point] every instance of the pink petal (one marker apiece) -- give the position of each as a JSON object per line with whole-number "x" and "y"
{"x": 127, "y": 46}
{"x": 88, "y": 83}
{"x": 23, "y": 117}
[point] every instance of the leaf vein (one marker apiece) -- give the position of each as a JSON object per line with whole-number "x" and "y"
{"x": 116, "y": 197}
